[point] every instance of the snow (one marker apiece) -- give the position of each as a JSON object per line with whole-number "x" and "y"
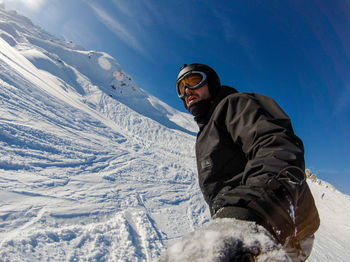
{"x": 332, "y": 239}
{"x": 223, "y": 240}
{"x": 93, "y": 167}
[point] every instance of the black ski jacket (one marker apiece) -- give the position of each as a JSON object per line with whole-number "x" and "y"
{"x": 250, "y": 160}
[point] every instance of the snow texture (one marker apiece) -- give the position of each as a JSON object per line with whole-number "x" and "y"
{"x": 225, "y": 240}
{"x": 93, "y": 168}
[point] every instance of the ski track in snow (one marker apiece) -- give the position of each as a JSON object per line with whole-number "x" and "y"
{"x": 92, "y": 168}
{"x": 82, "y": 175}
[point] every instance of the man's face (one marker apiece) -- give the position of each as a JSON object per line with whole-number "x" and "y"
{"x": 195, "y": 95}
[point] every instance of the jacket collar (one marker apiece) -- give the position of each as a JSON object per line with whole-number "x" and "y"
{"x": 224, "y": 91}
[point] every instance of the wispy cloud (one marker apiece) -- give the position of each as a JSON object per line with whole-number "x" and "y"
{"x": 234, "y": 32}
{"x": 343, "y": 101}
{"x": 142, "y": 12}
{"x": 117, "y": 28}
{"x": 229, "y": 30}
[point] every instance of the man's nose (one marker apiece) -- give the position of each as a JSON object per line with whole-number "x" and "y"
{"x": 188, "y": 91}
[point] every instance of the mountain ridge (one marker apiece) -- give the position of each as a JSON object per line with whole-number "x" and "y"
{"x": 64, "y": 60}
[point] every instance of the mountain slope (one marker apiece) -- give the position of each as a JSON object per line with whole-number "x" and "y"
{"x": 84, "y": 175}
{"x": 94, "y": 168}
{"x": 332, "y": 238}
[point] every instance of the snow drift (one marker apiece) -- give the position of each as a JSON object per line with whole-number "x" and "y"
{"x": 92, "y": 167}
{"x": 226, "y": 240}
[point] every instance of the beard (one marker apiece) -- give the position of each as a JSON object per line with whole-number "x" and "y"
{"x": 200, "y": 110}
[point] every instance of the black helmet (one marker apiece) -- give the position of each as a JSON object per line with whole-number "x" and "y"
{"x": 212, "y": 77}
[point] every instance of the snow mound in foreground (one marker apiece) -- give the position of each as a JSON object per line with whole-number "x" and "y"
{"x": 223, "y": 240}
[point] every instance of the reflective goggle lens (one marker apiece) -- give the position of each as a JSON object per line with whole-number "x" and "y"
{"x": 193, "y": 80}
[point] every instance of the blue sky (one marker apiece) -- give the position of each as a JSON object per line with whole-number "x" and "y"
{"x": 297, "y": 52}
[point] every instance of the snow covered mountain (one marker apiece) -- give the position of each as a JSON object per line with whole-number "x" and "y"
{"x": 93, "y": 168}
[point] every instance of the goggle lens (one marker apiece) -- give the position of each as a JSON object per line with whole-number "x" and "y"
{"x": 192, "y": 81}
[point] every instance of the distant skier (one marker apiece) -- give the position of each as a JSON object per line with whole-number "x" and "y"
{"x": 250, "y": 163}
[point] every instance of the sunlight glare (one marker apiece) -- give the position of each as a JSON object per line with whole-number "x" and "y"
{"x": 31, "y": 4}
{"x": 104, "y": 63}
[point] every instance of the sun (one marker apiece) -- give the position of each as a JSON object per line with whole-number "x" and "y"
{"x": 31, "y": 4}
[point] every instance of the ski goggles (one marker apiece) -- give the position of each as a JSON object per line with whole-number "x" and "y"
{"x": 191, "y": 80}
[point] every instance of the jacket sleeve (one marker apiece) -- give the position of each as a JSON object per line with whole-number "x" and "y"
{"x": 273, "y": 186}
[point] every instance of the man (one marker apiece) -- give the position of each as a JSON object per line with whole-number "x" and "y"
{"x": 250, "y": 163}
